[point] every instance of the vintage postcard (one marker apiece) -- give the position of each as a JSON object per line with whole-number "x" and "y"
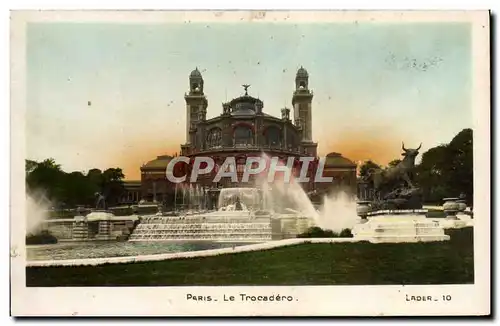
{"x": 250, "y": 163}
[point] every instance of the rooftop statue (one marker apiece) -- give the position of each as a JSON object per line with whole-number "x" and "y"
{"x": 245, "y": 86}
{"x": 100, "y": 201}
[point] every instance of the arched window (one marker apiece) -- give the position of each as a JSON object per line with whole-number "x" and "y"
{"x": 273, "y": 136}
{"x": 243, "y": 135}
{"x": 291, "y": 139}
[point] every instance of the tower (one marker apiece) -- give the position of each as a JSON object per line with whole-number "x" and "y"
{"x": 196, "y": 102}
{"x": 301, "y": 101}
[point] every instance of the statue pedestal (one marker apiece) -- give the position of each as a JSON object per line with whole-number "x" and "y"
{"x": 399, "y": 227}
{"x": 464, "y": 217}
{"x": 103, "y": 218}
{"x": 453, "y": 223}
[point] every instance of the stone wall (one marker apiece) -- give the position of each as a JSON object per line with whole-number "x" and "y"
{"x": 289, "y": 227}
{"x": 60, "y": 230}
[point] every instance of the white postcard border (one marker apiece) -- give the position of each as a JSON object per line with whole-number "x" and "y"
{"x": 308, "y": 300}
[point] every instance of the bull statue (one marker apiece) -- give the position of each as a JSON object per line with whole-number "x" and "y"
{"x": 392, "y": 177}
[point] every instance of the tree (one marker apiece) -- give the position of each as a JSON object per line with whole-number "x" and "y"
{"x": 75, "y": 188}
{"x": 431, "y": 174}
{"x": 78, "y": 189}
{"x": 461, "y": 173}
{"x": 447, "y": 170}
{"x": 46, "y": 175}
{"x": 366, "y": 167}
{"x": 30, "y": 166}
{"x": 109, "y": 183}
{"x": 112, "y": 184}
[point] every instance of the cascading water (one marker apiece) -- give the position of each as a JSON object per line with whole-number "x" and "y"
{"x": 202, "y": 228}
{"x": 337, "y": 212}
{"x": 37, "y": 206}
{"x": 199, "y": 198}
{"x": 284, "y": 196}
{"x": 228, "y": 224}
{"x": 184, "y": 197}
{"x": 190, "y": 197}
{"x": 245, "y": 214}
{"x": 248, "y": 197}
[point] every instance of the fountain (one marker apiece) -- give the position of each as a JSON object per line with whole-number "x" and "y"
{"x": 246, "y": 214}
{"x": 192, "y": 198}
{"x": 234, "y": 221}
{"x": 281, "y": 210}
{"x": 248, "y": 199}
{"x": 290, "y": 203}
{"x": 262, "y": 213}
{"x": 338, "y": 212}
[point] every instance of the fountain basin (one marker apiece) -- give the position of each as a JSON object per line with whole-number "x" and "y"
{"x": 454, "y": 224}
{"x": 399, "y": 229}
{"x": 241, "y": 217}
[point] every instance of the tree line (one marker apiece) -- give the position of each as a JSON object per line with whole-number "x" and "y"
{"x": 69, "y": 189}
{"x": 444, "y": 171}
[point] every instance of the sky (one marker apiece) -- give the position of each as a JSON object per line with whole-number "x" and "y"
{"x": 112, "y": 95}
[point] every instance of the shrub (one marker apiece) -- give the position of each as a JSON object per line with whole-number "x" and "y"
{"x": 317, "y": 232}
{"x": 345, "y": 233}
{"x": 44, "y": 237}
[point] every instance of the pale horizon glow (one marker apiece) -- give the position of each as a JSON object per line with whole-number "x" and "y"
{"x": 375, "y": 85}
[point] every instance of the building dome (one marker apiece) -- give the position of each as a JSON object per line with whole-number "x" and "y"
{"x": 195, "y": 73}
{"x": 161, "y": 162}
{"x": 245, "y": 105}
{"x": 337, "y": 160}
{"x": 302, "y": 72}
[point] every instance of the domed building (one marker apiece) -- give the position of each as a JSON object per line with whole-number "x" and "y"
{"x": 244, "y": 129}
{"x": 343, "y": 172}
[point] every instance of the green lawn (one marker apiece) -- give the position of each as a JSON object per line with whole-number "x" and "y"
{"x": 362, "y": 263}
